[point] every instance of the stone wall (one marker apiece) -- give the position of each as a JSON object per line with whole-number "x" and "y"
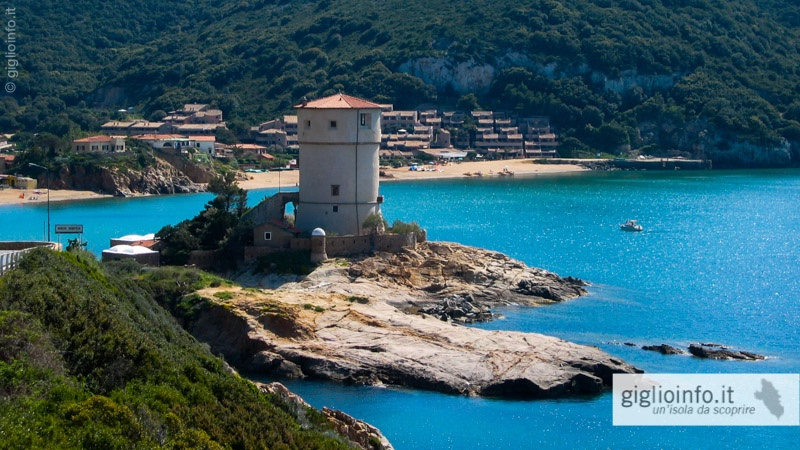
{"x": 347, "y": 245}
{"x": 393, "y": 243}
{"x": 356, "y": 245}
{"x": 301, "y": 244}
{"x": 272, "y": 207}
{"x": 251, "y": 252}
{"x": 343, "y": 245}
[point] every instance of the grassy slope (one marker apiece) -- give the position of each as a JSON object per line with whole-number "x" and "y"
{"x": 89, "y": 360}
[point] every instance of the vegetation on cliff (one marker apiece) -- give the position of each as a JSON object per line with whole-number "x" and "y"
{"x": 88, "y": 359}
{"x": 693, "y": 77}
{"x": 216, "y": 228}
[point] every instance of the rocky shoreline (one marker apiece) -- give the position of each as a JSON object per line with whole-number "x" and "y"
{"x": 363, "y": 322}
{"x": 166, "y": 175}
{"x": 359, "y": 433}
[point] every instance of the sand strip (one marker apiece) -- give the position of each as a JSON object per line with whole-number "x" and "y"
{"x": 290, "y": 178}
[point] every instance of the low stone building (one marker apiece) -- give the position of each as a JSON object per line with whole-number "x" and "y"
{"x": 141, "y": 248}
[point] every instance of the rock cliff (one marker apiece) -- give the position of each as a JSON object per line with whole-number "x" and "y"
{"x": 359, "y": 433}
{"x": 160, "y": 178}
{"x": 354, "y": 322}
{"x": 444, "y": 270}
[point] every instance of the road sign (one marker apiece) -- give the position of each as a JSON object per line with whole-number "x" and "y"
{"x": 69, "y": 229}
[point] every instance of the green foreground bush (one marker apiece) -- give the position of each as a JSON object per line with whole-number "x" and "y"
{"x": 88, "y": 359}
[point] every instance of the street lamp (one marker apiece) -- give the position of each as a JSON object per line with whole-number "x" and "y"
{"x": 47, "y": 173}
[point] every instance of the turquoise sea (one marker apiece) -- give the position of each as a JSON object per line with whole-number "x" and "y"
{"x": 719, "y": 261}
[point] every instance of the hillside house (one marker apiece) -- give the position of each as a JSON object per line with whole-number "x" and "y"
{"x": 6, "y": 160}
{"x": 99, "y": 144}
{"x": 136, "y": 127}
{"x": 431, "y": 119}
{"x": 249, "y": 151}
{"x": 176, "y": 142}
{"x": 272, "y": 138}
{"x": 541, "y": 146}
{"x": 453, "y": 119}
{"x": 506, "y": 142}
{"x": 5, "y": 143}
{"x": 279, "y": 132}
{"x": 198, "y": 129}
{"x": 205, "y": 144}
{"x": 442, "y": 139}
{"x": 194, "y": 113}
{"x": 393, "y": 121}
{"x": 498, "y": 133}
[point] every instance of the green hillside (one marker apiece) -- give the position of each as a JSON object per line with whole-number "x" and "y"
{"x": 718, "y": 79}
{"x": 89, "y": 360}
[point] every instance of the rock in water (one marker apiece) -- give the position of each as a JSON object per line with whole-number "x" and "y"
{"x": 664, "y": 349}
{"x": 717, "y": 351}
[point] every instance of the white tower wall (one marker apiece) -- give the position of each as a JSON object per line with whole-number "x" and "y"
{"x": 339, "y": 141}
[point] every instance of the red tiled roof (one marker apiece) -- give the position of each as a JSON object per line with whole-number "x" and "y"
{"x": 95, "y": 139}
{"x": 284, "y": 225}
{"x": 203, "y": 138}
{"x": 244, "y": 146}
{"x": 156, "y": 137}
{"x": 339, "y": 101}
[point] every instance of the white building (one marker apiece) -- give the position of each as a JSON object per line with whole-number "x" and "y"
{"x": 339, "y": 138}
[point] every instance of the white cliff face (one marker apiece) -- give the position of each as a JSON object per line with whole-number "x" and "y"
{"x": 750, "y": 154}
{"x": 472, "y": 76}
{"x": 631, "y": 78}
{"x": 466, "y": 76}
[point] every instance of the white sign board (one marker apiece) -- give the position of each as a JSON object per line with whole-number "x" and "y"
{"x": 69, "y": 229}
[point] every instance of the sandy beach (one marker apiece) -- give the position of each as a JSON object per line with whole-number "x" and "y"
{"x": 22, "y": 196}
{"x": 523, "y": 167}
{"x": 290, "y": 178}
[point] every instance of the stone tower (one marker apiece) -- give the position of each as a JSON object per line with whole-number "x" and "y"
{"x": 339, "y": 139}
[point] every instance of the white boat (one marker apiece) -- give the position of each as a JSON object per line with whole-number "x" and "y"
{"x": 630, "y": 225}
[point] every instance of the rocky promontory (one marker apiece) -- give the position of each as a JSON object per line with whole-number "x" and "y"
{"x": 436, "y": 271}
{"x": 160, "y": 177}
{"x": 361, "y": 321}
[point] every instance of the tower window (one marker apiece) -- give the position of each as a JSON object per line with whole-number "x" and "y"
{"x": 267, "y": 236}
{"x": 333, "y": 124}
{"x": 334, "y": 190}
{"x": 308, "y": 124}
{"x": 365, "y": 119}
{"x": 335, "y": 208}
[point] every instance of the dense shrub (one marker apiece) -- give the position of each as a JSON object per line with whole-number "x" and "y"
{"x": 88, "y": 359}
